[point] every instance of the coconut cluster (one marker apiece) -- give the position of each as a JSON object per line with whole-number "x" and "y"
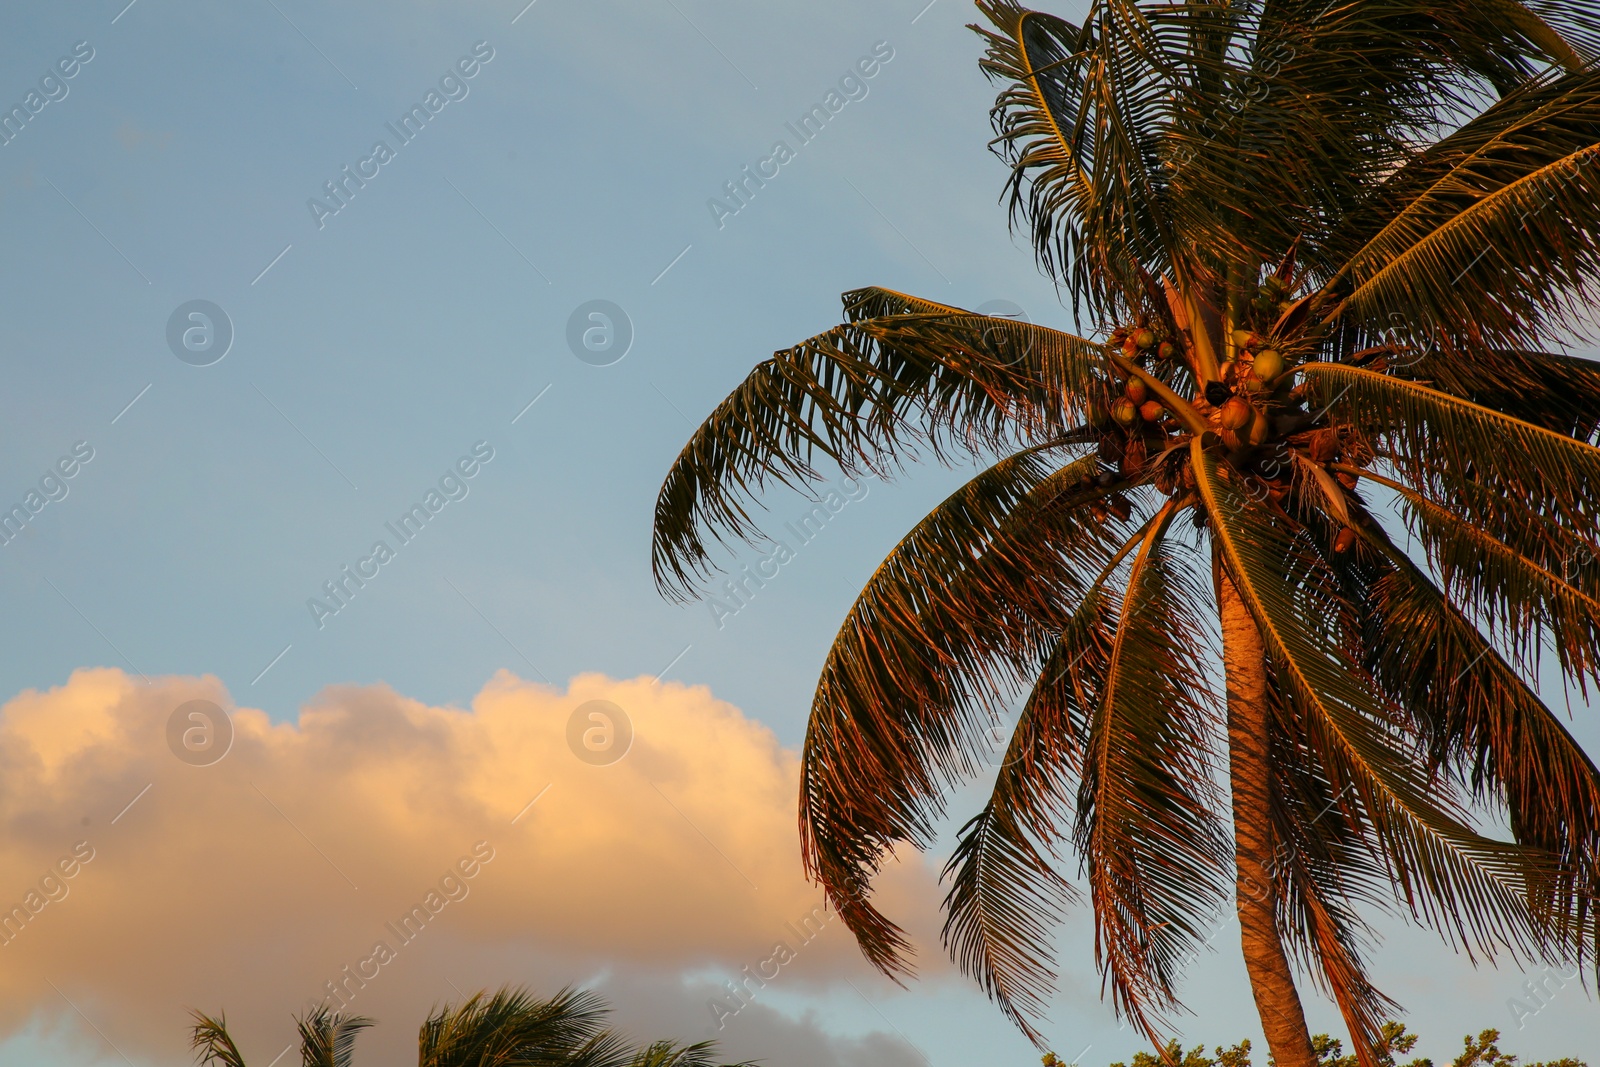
{"x": 1252, "y": 375}
{"x": 1254, "y": 410}
{"x": 1133, "y": 423}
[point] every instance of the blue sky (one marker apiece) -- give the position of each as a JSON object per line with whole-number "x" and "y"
{"x": 374, "y": 348}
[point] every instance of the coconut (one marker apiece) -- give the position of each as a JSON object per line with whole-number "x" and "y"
{"x": 1324, "y": 445}
{"x": 1345, "y": 541}
{"x": 1120, "y": 507}
{"x": 1168, "y": 350}
{"x": 1125, "y": 411}
{"x": 1258, "y": 431}
{"x": 1268, "y": 364}
{"x": 1226, "y": 370}
{"x": 1237, "y": 413}
{"x": 1130, "y": 348}
{"x": 1243, "y": 339}
{"x": 1151, "y": 410}
{"x": 1137, "y": 391}
{"x": 1145, "y": 338}
{"x": 1133, "y": 458}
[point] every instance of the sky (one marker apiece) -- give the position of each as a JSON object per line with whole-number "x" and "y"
{"x": 253, "y": 379}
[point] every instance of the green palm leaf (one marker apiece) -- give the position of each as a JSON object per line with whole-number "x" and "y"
{"x": 671, "y": 1054}
{"x": 1510, "y": 595}
{"x": 864, "y": 392}
{"x": 1521, "y": 483}
{"x": 1500, "y": 245}
{"x": 1005, "y": 894}
{"x": 1554, "y": 392}
{"x": 1473, "y": 890}
{"x": 512, "y": 1028}
{"x": 1079, "y": 126}
{"x": 1489, "y": 728}
{"x": 1323, "y": 867}
{"x": 1148, "y": 830}
{"x": 328, "y": 1037}
{"x": 968, "y": 604}
{"x": 211, "y": 1041}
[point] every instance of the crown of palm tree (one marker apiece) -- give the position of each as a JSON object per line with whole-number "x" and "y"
{"x": 509, "y": 1028}
{"x": 1330, "y": 242}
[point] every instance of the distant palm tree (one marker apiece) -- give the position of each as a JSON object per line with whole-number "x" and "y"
{"x": 511, "y": 1028}
{"x": 1326, "y": 245}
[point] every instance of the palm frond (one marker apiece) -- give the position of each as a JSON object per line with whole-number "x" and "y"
{"x": 512, "y": 1028}
{"x": 1322, "y": 868}
{"x": 328, "y": 1037}
{"x": 1491, "y": 238}
{"x": 1475, "y": 891}
{"x": 1535, "y": 489}
{"x": 1005, "y": 894}
{"x": 1486, "y": 726}
{"x": 966, "y": 607}
{"x": 671, "y": 1054}
{"x": 211, "y": 1041}
{"x": 864, "y": 395}
{"x": 1511, "y": 596}
{"x": 1555, "y": 392}
{"x": 1153, "y": 848}
{"x": 1079, "y": 124}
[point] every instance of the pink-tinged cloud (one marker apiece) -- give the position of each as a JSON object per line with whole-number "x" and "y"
{"x": 384, "y": 852}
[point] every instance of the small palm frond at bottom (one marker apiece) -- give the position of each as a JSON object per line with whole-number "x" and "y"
{"x": 212, "y": 1043}
{"x": 671, "y": 1054}
{"x": 328, "y": 1037}
{"x": 512, "y": 1027}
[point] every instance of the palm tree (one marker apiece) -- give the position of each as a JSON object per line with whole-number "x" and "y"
{"x": 510, "y": 1028}
{"x": 1325, "y": 246}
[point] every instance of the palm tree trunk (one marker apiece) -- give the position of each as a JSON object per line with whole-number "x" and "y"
{"x": 1283, "y": 1019}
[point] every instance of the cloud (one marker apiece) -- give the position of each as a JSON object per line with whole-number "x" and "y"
{"x": 262, "y": 882}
